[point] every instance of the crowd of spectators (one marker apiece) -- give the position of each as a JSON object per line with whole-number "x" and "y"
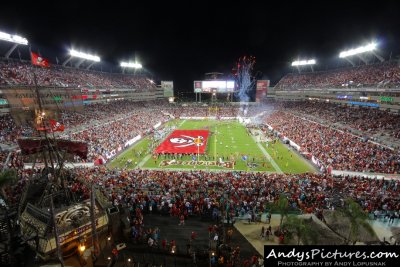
{"x": 21, "y": 73}
{"x": 337, "y": 149}
{"x": 198, "y": 111}
{"x": 103, "y": 112}
{"x": 10, "y": 131}
{"x": 107, "y": 128}
{"x": 231, "y": 194}
{"x": 215, "y": 110}
{"x": 368, "y": 120}
{"x": 108, "y": 112}
{"x": 3, "y": 157}
{"x": 108, "y": 139}
{"x": 184, "y": 194}
{"x": 10, "y": 159}
{"x": 382, "y": 74}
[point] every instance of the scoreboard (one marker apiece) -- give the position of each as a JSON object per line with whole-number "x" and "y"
{"x": 261, "y": 89}
{"x": 214, "y": 86}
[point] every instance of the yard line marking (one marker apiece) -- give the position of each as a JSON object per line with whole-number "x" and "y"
{"x": 144, "y": 160}
{"x": 268, "y": 156}
{"x": 181, "y": 123}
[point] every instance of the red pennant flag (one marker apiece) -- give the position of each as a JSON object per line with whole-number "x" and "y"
{"x": 39, "y": 61}
{"x": 56, "y": 126}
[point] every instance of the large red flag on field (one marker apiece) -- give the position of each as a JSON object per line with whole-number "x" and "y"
{"x": 39, "y": 61}
{"x": 185, "y": 142}
{"x": 56, "y": 126}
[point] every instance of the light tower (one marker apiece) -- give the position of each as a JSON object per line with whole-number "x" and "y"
{"x": 82, "y": 58}
{"x": 14, "y": 39}
{"x": 130, "y": 65}
{"x": 299, "y": 64}
{"x": 361, "y": 52}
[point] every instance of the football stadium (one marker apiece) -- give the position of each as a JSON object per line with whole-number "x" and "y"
{"x": 157, "y": 145}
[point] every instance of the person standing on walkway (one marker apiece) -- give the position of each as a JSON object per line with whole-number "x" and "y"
{"x": 268, "y": 233}
{"x": 262, "y": 235}
{"x": 182, "y": 220}
{"x": 391, "y": 218}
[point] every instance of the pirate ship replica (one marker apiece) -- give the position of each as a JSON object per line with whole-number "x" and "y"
{"x": 55, "y": 220}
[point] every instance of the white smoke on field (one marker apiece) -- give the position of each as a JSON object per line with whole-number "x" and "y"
{"x": 262, "y": 111}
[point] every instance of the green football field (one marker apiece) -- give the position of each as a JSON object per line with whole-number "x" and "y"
{"x": 229, "y": 147}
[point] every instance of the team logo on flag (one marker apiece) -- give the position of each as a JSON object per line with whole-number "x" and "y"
{"x": 39, "y": 60}
{"x": 186, "y": 140}
{"x": 56, "y": 126}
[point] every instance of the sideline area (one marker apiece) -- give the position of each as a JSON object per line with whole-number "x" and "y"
{"x": 252, "y": 231}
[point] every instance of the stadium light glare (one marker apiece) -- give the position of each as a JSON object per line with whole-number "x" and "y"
{"x": 13, "y": 38}
{"x": 131, "y": 65}
{"x": 358, "y": 50}
{"x": 75, "y": 53}
{"x": 304, "y": 62}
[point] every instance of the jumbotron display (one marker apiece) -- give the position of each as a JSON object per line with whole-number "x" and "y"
{"x": 214, "y": 86}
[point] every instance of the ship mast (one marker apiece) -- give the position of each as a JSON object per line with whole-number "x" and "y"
{"x": 49, "y": 149}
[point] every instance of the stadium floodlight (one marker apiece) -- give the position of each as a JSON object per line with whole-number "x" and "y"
{"x": 304, "y": 62}
{"x": 75, "y": 53}
{"x": 359, "y": 50}
{"x": 133, "y": 65}
{"x": 16, "y": 39}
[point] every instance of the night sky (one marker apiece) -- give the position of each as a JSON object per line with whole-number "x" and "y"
{"x": 182, "y": 41}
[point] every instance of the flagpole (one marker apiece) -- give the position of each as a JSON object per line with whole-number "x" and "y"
{"x": 30, "y": 52}
{"x": 215, "y": 143}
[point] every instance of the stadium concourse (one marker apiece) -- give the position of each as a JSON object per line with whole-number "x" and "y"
{"x": 186, "y": 197}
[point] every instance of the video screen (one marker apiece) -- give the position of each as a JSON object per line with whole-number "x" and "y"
{"x": 211, "y": 86}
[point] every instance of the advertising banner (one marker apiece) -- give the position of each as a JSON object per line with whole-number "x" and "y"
{"x": 261, "y": 89}
{"x": 51, "y": 98}
{"x": 168, "y": 88}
